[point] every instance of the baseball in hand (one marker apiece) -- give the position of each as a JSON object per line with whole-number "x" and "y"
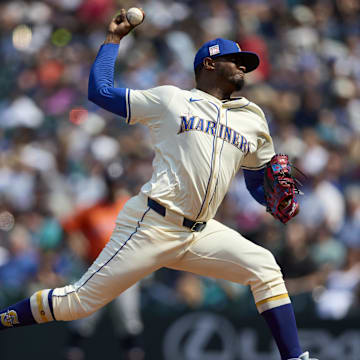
{"x": 135, "y": 16}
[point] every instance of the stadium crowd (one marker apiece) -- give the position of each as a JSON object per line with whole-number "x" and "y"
{"x": 57, "y": 148}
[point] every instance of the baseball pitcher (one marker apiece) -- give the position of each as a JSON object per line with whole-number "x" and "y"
{"x": 202, "y": 138}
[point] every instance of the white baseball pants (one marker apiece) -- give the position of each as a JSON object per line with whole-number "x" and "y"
{"x": 144, "y": 241}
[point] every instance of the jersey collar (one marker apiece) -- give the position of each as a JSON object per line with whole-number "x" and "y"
{"x": 231, "y": 103}
{"x": 199, "y": 94}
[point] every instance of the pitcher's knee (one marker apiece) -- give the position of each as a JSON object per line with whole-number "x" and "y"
{"x": 267, "y": 278}
{"x": 68, "y": 305}
{"x": 267, "y": 265}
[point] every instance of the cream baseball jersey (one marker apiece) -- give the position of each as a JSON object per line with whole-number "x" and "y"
{"x": 200, "y": 143}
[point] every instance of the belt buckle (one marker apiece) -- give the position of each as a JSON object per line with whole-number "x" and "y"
{"x": 195, "y": 227}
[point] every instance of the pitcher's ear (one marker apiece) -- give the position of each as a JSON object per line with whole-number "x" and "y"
{"x": 208, "y": 63}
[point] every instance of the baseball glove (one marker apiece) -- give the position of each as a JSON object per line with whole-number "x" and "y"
{"x": 281, "y": 189}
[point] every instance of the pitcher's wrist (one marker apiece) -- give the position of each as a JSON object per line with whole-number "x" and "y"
{"x": 112, "y": 38}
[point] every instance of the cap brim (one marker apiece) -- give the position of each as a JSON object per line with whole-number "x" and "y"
{"x": 249, "y": 59}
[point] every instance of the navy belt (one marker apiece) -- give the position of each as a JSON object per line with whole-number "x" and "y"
{"x": 161, "y": 210}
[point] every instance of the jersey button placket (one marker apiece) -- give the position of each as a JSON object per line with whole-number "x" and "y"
{"x": 214, "y": 174}
{"x": 217, "y": 157}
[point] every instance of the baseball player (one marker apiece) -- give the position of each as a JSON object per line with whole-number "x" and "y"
{"x": 201, "y": 139}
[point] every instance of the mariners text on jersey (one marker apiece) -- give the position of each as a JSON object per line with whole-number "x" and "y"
{"x": 226, "y": 133}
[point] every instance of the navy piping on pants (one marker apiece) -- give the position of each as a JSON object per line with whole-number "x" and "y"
{"x": 136, "y": 229}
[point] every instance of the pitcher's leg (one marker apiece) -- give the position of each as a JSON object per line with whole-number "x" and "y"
{"x": 222, "y": 253}
{"x": 142, "y": 242}
{"x": 119, "y": 266}
{"x": 129, "y": 256}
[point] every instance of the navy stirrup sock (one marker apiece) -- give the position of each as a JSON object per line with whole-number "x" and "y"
{"x": 15, "y": 315}
{"x": 36, "y": 309}
{"x": 281, "y": 321}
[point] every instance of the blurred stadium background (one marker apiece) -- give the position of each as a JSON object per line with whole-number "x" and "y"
{"x": 58, "y": 149}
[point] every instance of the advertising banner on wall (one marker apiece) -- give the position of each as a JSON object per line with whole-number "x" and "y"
{"x": 191, "y": 335}
{"x": 216, "y": 336}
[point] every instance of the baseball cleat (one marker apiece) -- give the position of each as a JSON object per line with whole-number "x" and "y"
{"x": 304, "y": 356}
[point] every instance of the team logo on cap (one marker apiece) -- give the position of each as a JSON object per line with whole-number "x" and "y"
{"x": 238, "y": 46}
{"x": 213, "y": 50}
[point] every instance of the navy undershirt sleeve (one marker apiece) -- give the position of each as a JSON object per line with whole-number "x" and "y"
{"x": 254, "y": 180}
{"x": 101, "y": 89}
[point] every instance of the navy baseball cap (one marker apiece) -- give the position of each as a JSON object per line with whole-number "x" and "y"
{"x": 219, "y": 47}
